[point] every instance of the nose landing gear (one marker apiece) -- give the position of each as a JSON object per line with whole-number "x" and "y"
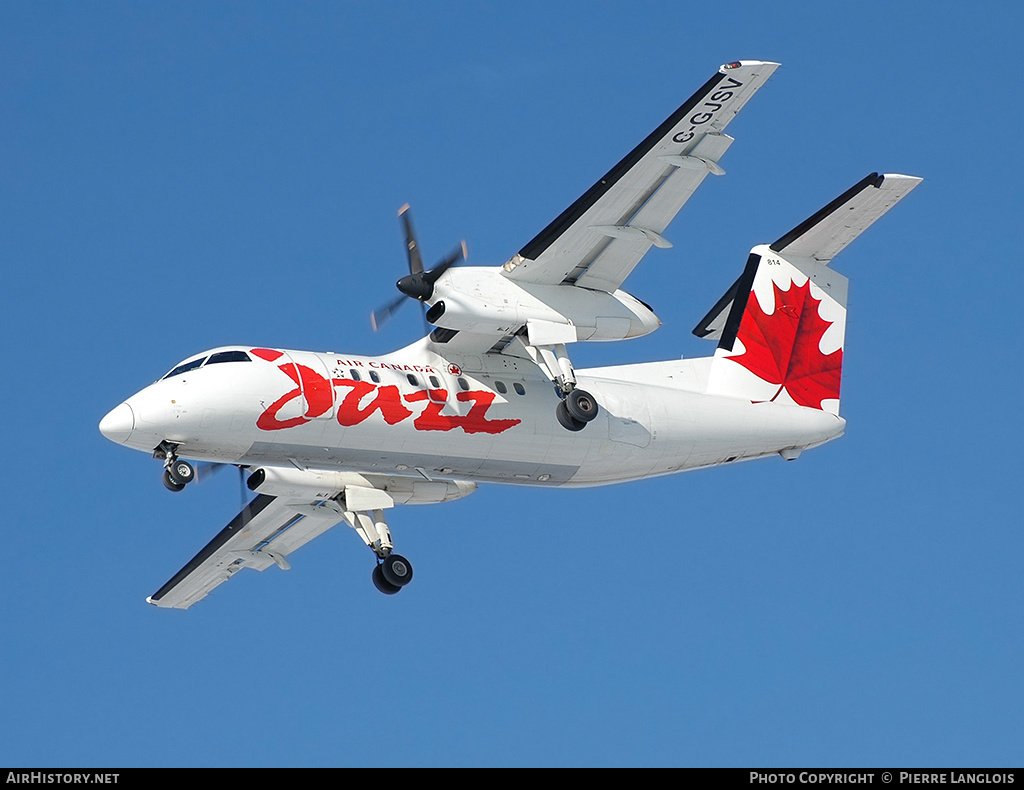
{"x": 177, "y": 473}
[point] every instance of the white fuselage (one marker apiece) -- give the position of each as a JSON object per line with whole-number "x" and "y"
{"x": 486, "y": 418}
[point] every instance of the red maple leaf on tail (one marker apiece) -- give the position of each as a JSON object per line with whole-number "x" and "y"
{"x": 784, "y": 348}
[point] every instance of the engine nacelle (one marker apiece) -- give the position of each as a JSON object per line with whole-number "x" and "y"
{"x": 456, "y": 311}
{"x": 360, "y": 492}
{"x": 485, "y": 301}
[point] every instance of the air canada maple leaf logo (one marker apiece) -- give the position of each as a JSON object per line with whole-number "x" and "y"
{"x": 784, "y": 348}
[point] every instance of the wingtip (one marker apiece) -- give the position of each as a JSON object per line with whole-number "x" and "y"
{"x": 403, "y": 209}
{"x": 736, "y": 64}
{"x": 898, "y": 181}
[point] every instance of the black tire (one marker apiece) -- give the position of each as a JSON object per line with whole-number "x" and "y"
{"x": 169, "y": 484}
{"x": 181, "y": 472}
{"x": 566, "y": 420}
{"x": 383, "y": 584}
{"x": 397, "y": 570}
{"x": 581, "y": 405}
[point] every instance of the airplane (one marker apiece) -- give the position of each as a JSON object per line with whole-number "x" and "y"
{"x": 491, "y": 395}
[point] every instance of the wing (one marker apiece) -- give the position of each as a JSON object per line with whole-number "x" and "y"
{"x": 596, "y": 242}
{"x": 266, "y": 531}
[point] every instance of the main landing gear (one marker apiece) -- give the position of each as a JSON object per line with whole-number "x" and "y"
{"x": 177, "y": 473}
{"x": 392, "y": 571}
{"x": 577, "y": 407}
{"x": 392, "y": 574}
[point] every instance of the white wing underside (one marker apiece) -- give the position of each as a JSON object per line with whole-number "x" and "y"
{"x": 266, "y": 531}
{"x": 597, "y": 241}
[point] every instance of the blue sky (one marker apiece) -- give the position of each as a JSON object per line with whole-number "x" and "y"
{"x": 178, "y": 177}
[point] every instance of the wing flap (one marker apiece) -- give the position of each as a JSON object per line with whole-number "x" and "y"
{"x": 266, "y": 531}
{"x": 644, "y": 191}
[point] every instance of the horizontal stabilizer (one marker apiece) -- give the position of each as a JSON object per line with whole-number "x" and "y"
{"x": 825, "y": 234}
{"x": 816, "y": 240}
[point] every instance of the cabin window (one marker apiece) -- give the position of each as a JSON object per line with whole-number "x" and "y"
{"x": 520, "y": 390}
{"x": 413, "y": 380}
{"x": 463, "y": 384}
{"x": 354, "y": 374}
{"x": 500, "y": 387}
{"x": 434, "y": 382}
{"x": 375, "y": 377}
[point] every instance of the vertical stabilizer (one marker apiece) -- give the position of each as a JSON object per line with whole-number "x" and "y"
{"x": 782, "y": 337}
{"x": 781, "y": 326}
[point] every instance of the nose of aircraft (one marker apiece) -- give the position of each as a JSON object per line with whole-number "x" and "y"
{"x": 118, "y": 424}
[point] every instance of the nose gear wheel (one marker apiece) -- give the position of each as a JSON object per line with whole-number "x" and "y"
{"x": 177, "y": 473}
{"x": 181, "y": 472}
{"x": 169, "y": 483}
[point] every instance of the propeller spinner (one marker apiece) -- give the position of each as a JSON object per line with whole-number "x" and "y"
{"x": 419, "y": 283}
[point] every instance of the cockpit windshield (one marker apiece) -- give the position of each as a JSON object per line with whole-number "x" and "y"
{"x": 185, "y": 367}
{"x": 220, "y": 356}
{"x": 228, "y": 356}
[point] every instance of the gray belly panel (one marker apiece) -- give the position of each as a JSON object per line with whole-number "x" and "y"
{"x": 392, "y": 462}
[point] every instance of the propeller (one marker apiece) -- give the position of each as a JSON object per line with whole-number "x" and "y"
{"x": 207, "y": 469}
{"x": 418, "y": 283}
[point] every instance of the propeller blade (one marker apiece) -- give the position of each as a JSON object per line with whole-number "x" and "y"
{"x": 382, "y": 314}
{"x": 456, "y": 255}
{"x": 417, "y": 284}
{"x": 244, "y": 490}
{"x": 411, "y": 245}
{"x": 207, "y": 469}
